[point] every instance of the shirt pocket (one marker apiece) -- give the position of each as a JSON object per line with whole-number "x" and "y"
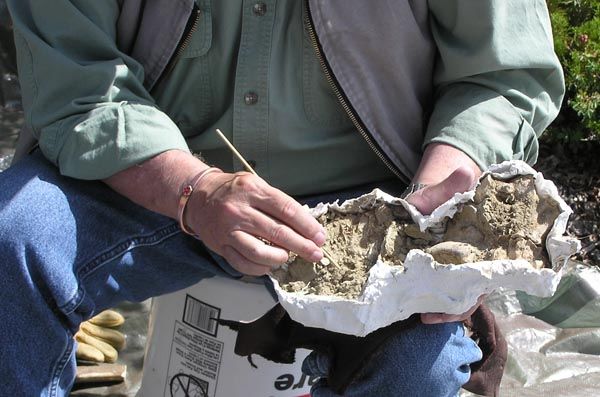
{"x": 199, "y": 42}
{"x": 321, "y": 105}
{"x": 190, "y": 94}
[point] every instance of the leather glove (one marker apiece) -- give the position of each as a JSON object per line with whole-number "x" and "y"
{"x": 97, "y": 340}
{"x": 487, "y": 373}
{"x": 275, "y": 336}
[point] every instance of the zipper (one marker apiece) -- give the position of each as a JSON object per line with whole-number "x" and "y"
{"x": 337, "y": 90}
{"x": 186, "y": 37}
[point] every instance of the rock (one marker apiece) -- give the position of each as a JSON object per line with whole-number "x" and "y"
{"x": 454, "y": 252}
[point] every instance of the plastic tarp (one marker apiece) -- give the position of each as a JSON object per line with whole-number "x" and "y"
{"x": 554, "y": 343}
{"x": 5, "y": 162}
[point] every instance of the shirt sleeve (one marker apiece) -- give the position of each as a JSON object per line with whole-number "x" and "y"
{"x": 498, "y": 83}
{"x": 83, "y": 98}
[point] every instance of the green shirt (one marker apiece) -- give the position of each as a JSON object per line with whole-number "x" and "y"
{"x": 249, "y": 71}
{"x": 253, "y": 73}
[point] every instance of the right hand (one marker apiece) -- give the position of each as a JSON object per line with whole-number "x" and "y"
{"x": 251, "y": 224}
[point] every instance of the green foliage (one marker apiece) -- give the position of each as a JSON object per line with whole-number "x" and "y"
{"x": 576, "y": 27}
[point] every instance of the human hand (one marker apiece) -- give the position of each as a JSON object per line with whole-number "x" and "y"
{"x": 251, "y": 224}
{"x": 429, "y": 198}
{"x": 446, "y": 171}
{"x": 432, "y": 196}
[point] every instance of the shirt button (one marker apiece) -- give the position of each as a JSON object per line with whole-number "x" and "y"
{"x": 250, "y": 98}
{"x": 259, "y": 9}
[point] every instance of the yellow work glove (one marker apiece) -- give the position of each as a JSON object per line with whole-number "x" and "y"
{"x": 97, "y": 341}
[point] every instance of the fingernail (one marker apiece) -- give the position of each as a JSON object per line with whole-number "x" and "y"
{"x": 316, "y": 256}
{"x": 320, "y": 238}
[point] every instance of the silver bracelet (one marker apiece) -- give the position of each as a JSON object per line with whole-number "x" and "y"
{"x": 411, "y": 188}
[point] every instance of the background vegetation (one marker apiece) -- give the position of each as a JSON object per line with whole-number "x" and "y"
{"x": 576, "y": 26}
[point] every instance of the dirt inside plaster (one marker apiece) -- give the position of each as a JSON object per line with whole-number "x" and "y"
{"x": 505, "y": 220}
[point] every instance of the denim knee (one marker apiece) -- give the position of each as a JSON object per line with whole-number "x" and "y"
{"x": 428, "y": 360}
{"x": 449, "y": 355}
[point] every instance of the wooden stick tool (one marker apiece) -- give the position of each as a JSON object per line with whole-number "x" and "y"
{"x": 249, "y": 168}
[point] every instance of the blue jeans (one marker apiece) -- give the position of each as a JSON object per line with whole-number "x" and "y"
{"x": 70, "y": 248}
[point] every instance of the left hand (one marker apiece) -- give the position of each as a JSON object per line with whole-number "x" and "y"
{"x": 446, "y": 170}
{"x": 432, "y": 196}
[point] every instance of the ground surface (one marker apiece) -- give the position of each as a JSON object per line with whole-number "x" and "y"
{"x": 575, "y": 169}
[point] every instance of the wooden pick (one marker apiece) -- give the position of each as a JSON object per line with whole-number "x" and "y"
{"x": 327, "y": 255}
{"x": 235, "y": 151}
{"x": 250, "y": 169}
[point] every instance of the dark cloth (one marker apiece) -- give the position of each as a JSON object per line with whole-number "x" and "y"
{"x": 275, "y": 336}
{"x": 487, "y": 373}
